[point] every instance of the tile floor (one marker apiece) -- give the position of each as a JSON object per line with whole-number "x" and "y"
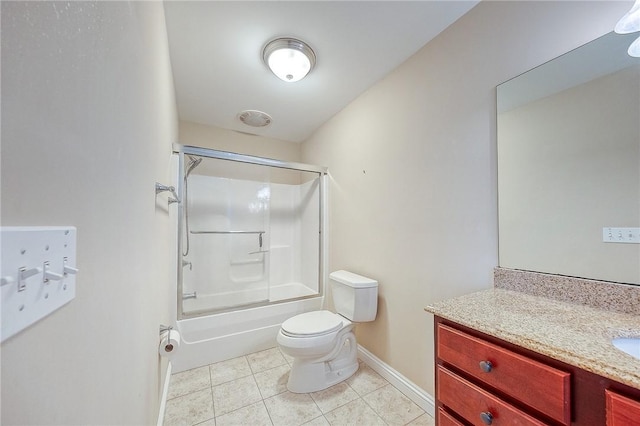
{"x": 251, "y": 390}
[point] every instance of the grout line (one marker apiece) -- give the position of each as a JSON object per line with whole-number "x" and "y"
{"x": 267, "y": 411}
{"x": 213, "y": 402}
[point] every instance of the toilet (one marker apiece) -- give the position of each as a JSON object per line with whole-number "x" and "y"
{"x": 322, "y": 343}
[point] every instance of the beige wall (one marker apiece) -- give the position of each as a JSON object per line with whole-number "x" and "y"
{"x": 196, "y": 134}
{"x": 201, "y": 135}
{"x": 413, "y": 194}
{"x": 569, "y": 166}
{"x": 88, "y": 118}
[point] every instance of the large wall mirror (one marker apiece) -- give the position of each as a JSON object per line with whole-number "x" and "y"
{"x": 569, "y": 163}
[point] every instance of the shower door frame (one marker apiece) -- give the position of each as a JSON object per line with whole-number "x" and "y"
{"x": 182, "y": 150}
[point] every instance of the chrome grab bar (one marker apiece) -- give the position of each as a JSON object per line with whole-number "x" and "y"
{"x": 227, "y": 232}
{"x": 260, "y": 233}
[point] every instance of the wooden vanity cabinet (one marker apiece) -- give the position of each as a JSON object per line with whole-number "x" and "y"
{"x": 445, "y": 419}
{"x": 482, "y": 380}
{"x": 622, "y": 411}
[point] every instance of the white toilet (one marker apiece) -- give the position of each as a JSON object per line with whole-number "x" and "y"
{"x": 322, "y": 343}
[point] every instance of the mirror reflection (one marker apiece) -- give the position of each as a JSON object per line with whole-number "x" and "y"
{"x": 569, "y": 163}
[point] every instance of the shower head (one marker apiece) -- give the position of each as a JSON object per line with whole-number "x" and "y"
{"x": 193, "y": 163}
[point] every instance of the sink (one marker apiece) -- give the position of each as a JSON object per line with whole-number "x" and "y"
{"x": 630, "y": 345}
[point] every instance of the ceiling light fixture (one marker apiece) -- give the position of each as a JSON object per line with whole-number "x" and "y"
{"x": 630, "y": 23}
{"x": 289, "y": 59}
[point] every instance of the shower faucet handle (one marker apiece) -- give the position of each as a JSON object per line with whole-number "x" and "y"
{"x": 172, "y": 189}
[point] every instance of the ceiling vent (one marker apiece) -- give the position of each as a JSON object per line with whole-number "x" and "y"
{"x": 255, "y": 118}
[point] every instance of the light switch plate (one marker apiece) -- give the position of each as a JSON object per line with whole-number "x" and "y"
{"x": 37, "y": 275}
{"x": 621, "y": 235}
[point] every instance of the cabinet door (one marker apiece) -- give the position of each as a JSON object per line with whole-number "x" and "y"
{"x": 621, "y": 411}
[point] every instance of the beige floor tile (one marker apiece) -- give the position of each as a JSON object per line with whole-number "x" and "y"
{"x": 226, "y": 371}
{"x": 189, "y": 381}
{"x": 264, "y": 360}
{"x": 274, "y": 381}
{"x": 239, "y": 393}
{"x": 356, "y": 412}
{"x": 423, "y": 420}
{"x": 291, "y": 409}
{"x": 254, "y": 415}
{"x": 190, "y": 409}
{"x": 286, "y": 357}
{"x": 318, "y": 421}
{"x": 390, "y": 404}
{"x": 333, "y": 397}
{"x": 366, "y": 380}
{"x": 251, "y": 390}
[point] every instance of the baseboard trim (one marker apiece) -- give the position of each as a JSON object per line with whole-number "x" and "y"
{"x": 404, "y": 385}
{"x": 165, "y": 393}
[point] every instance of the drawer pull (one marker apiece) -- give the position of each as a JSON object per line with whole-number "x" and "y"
{"x": 486, "y": 366}
{"x": 486, "y": 417}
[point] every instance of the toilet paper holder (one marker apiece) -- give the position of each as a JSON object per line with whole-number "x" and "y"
{"x": 167, "y": 338}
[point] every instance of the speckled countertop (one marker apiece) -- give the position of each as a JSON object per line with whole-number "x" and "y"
{"x": 576, "y": 334}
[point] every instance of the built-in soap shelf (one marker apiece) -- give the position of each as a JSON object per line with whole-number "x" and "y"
{"x": 37, "y": 275}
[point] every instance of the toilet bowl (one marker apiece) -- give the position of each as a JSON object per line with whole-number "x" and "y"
{"x": 323, "y": 347}
{"x": 322, "y": 343}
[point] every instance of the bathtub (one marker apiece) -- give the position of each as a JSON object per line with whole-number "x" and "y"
{"x": 218, "y": 337}
{"x": 239, "y": 298}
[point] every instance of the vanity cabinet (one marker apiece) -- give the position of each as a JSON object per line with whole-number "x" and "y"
{"x": 485, "y": 383}
{"x": 482, "y": 380}
{"x": 621, "y": 411}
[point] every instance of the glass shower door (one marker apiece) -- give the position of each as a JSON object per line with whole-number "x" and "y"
{"x": 228, "y": 263}
{"x": 250, "y": 231}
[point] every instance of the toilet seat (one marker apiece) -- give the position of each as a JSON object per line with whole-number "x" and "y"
{"x": 312, "y": 324}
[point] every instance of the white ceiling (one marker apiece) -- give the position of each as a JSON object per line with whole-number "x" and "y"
{"x": 216, "y": 47}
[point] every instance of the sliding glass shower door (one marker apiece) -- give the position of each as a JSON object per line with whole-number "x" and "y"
{"x": 250, "y": 233}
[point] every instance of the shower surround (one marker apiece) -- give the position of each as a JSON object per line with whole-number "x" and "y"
{"x": 256, "y": 251}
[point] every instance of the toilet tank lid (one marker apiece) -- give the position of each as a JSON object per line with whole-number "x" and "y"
{"x": 353, "y": 280}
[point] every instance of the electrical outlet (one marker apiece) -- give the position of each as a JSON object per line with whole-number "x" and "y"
{"x": 621, "y": 235}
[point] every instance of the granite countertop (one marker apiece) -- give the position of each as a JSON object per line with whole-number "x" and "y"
{"x": 576, "y": 334}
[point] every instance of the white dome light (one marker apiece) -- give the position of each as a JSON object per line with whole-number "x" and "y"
{"x": 289, "y": 59}
{"x": 630, "y": 22}
{"x": 634, "y": 49}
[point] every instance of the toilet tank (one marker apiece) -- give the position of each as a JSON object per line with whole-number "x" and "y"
{"x": 355, "y": 297}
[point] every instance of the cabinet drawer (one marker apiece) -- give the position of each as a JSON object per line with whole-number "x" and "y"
{"x": 472, "y": 403}
{"x": 445, "y": 419}
{"x": 621, "y": 411}
{"x": 537, "y": 385}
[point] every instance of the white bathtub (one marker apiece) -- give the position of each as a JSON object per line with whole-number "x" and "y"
{"x": 239, "y": 298}
{"x": 223, "y": 336}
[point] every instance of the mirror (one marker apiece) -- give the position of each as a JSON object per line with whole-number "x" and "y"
{"x": 569, "y": 163}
